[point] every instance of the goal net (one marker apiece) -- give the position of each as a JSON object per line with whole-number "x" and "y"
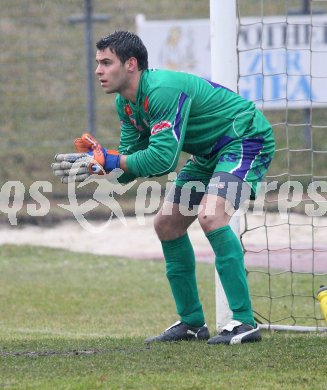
{"x": 282, "y": 56}
{"x": 276, "y": 57}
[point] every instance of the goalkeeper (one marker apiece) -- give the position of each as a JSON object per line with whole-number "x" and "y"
{"x": 231, "y": 144}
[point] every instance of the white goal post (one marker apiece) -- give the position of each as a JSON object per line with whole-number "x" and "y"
{"x": 224, "y": 70}
{"x": 286, "y": 74}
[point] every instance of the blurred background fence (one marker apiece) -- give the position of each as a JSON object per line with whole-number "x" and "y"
{"x": 43, "y": 79}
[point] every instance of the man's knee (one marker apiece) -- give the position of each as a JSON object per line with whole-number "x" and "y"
{"x": 160, "y": 224}
{"x": 170, "y": 227}
{"x": 214, "y": 214}
{"x": 164, "y": 227}
{"x": 210, "y": 222}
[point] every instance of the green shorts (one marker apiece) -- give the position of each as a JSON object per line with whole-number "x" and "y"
{"x": 240, "y": 161}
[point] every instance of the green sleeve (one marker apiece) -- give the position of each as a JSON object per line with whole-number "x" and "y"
{"x": 168, "y": 113}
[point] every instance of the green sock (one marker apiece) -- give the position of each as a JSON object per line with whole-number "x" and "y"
{"x": 230, "y": 267}
{"x": 180, "y": 271}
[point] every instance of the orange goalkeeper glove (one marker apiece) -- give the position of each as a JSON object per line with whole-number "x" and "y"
{"x": 103, "y": 160}
{"x": 91, "y": 158}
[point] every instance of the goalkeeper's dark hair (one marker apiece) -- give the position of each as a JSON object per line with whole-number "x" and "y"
{"x": 125, "y": 45}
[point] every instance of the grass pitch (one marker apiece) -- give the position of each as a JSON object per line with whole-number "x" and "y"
{"x": 77, "y": 321}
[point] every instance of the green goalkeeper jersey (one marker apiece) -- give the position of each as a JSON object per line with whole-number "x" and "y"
{"x": 176, "y": 111}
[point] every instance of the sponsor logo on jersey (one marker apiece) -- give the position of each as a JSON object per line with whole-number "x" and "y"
{"x": 157, "y": 128}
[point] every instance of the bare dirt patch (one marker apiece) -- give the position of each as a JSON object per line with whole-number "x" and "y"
{"x": 296, "y": 242}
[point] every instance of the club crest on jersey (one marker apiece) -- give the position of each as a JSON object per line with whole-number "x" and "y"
{"x": 157, "y": 128}
{"x": 128, "y": 110}
{"x": 146, "y": 104}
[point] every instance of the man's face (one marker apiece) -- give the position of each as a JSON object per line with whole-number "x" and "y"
{"x": 112, "y": 74}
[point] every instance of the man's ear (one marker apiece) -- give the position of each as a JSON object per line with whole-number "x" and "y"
{"x": 132, "y": 64}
